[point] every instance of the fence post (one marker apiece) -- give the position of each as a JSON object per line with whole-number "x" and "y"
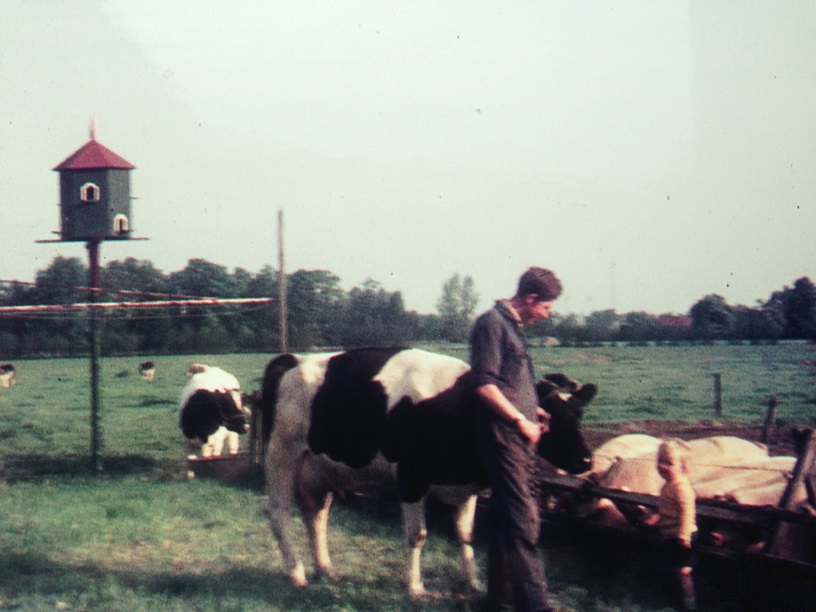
{"x": 770, "y": 418}
{"x": 717, "y": 394}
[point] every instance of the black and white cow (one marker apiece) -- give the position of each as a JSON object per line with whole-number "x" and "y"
{"x": 7, "y": 375}
{"x": 376, "y": 417}
{"x": 211, "y": 410}
{"x": 147, "y": 370}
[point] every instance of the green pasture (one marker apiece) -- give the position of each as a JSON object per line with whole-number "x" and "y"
{"x": 677, "y": 382}
{"x": 141, "y": 536}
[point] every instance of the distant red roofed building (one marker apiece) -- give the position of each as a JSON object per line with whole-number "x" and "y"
{"x": 670, "y": 320}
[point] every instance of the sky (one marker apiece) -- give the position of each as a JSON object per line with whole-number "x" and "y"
{"x": 651, "y": 153}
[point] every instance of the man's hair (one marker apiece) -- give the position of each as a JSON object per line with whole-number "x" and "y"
{"x": 540, "y": 281}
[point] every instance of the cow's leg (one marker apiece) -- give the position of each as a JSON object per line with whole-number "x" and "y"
{"x": 314, "y": 500}
{"x": 233, "y": 442}
{"x": 207, "y": 448}
{"x": 215, "y": 443}
{"x": 281, "y": 467}
{"x": 416, "y": 532}
{"x": 465, "y": 515}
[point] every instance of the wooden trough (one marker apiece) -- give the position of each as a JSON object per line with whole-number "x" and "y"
{"x": 228, "y": 468}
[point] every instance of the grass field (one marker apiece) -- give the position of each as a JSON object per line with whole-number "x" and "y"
{"x": 140, "y": 536}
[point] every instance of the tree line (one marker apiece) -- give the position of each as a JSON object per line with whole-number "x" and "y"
{"x": 322, "y": 314}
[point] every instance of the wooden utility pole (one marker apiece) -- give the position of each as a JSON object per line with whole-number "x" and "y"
{"x": 284, "y": 325}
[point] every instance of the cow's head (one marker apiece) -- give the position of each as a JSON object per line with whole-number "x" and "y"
{"x": 563, "y": 445}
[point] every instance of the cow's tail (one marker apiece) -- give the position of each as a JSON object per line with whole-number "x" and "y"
{"x": 275, "y": 370}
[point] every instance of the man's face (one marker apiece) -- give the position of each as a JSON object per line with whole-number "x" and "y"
{"x": 535, "y": 309}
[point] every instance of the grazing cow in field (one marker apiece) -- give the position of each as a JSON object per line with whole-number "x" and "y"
{"x": 147, "y": 370}
{"x": 7, "y": 375}
{"x": 211, "y": 410}
{"x": 376, "y": 418}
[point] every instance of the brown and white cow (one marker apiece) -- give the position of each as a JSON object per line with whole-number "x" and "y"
{"x": 147, "y": 370}
{"x": 211, "y": 410}
{"x": 7, "y": 375}
{"x": 379, "y": 417}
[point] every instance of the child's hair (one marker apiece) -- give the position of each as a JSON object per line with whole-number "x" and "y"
{"x": 674, "y": 452}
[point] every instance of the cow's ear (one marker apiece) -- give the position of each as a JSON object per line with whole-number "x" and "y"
{"x": 586, "y": 393}
{"x": 581, "y": 398}
{"x": 559, "y": 380}
{"x": 544, "y": 389}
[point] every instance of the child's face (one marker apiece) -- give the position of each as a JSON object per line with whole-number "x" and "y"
{"x": 668, "y": 467}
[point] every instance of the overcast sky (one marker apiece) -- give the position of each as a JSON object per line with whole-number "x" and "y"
{"x": 650, "y": 152}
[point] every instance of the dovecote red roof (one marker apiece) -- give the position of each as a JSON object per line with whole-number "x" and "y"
{"x": 94, "y": 156}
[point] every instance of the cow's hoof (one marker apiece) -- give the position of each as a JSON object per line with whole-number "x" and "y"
{"x": 417, "y": 590}
{"x": 298, "y": 577}
{"x": 474, "y": 586}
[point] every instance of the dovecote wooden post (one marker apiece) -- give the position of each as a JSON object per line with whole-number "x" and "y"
{"x": 95, "y": 205}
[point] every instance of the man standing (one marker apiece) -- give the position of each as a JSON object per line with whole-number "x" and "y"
{"x": 509, "y": 423}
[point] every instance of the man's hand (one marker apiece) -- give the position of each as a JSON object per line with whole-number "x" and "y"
{"x": 530, "y": 430}
{"x": 543, "y": 419}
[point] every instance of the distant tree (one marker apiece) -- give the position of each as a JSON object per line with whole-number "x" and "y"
{"x": 802, "y": 310}
{"x": 456, "y": 307}
{"x": 241, "y": 280}
{"x": 712, "y": 316}
{"x": 544, "y": 327}
{"x": 61, "y": 282}
{"x": 202, "y": 278}
{"x": 567, "y": 328}
{"x": 239, "y": 322}
{"x": 755, "y": 324}
{"x": 264, "y": 283}
{"x": 639, "y": 327}
{"x": 263, "y": 321}
{"x": 421, "y": 327}
{"x": 135, "y": 330}
{"x": 601, "y": 325}
{"x": 199, "y": 278}
{"x": 794, "y": 309}
{"x": 373, "y": 317}
{"x": 139, "y": 276}
{"x": 313, "y": 303}
{"x": 15, "y": 329}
